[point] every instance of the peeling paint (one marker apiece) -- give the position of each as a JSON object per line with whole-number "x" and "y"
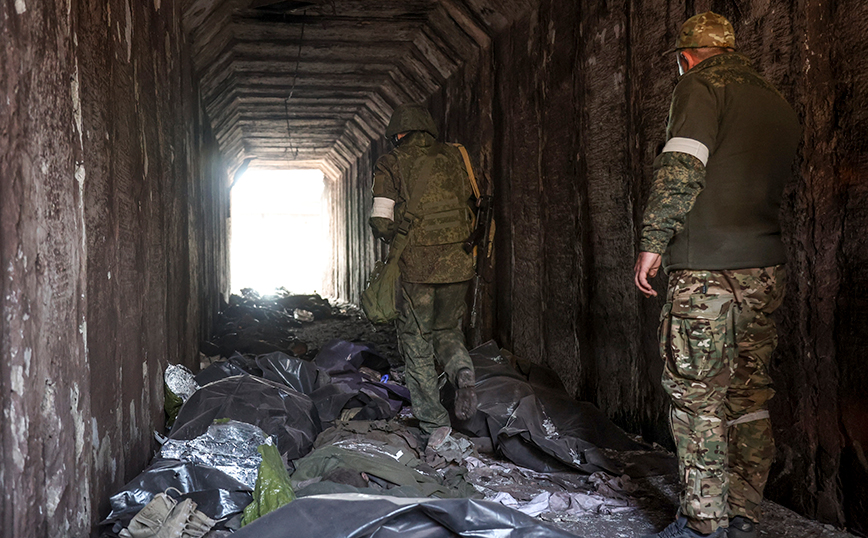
{"x": 129, "y": 31}
{"x": 133, "y": 426}
{"x": 76, "y": 105}
{"x": 104, "y": 455}
{"x": 54, "y": 487}
{"x": 80, "y": 175}
{"x": 19, "y": 426}
{"x": 94, "y": 432}
{"x": 77, "y": 420}
{"x": 17, "y": 379}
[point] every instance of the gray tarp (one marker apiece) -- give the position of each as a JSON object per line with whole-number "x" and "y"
{"x": 532, "y": 421}
{"x": 364, "y": 516}
{"x": 217, "y": 494}
{"x": 289, "y": 416}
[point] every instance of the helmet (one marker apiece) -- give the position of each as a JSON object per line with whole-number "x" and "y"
{"x": 412, "y": 117}
{"x": 706, "y": 30}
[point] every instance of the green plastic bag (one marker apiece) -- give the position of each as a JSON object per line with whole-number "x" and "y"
{"x": 172, "y": 405}
{"x": 273, "y": 488}
{"x": 379, "y": 299}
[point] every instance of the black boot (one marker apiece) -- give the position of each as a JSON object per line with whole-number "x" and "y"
{"x": 465, "y": 399}
{"x": 679, "y": 529}
{"x": 741, "y": 527}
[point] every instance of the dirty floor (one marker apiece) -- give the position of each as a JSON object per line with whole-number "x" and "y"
{"x": 643, "y": 505}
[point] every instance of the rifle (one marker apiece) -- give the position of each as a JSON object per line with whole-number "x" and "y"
{"x": 479, "y": 236}
{"x": 480, "y": 239}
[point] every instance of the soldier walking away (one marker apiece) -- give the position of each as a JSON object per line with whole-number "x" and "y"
{"x": 435, "y": 269}
{"x": 712, "y": 219}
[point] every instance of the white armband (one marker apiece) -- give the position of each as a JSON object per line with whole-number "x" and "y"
{"x": 689, "y": 146}
{"x": 383, "y": 208}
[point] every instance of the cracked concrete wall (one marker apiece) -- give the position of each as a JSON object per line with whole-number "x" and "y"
{"x": 577, "y": 97}
{"x": 113, "y": 244}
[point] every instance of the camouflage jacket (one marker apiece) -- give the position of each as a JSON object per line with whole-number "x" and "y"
{"x": 717, "y": 185}
{"x": 434, "y": 254}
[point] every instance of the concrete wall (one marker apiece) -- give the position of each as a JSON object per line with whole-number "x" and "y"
{"x": 565, "y": 110}
{"x": 354, "y": 251}
{"x": 112, "y": 243}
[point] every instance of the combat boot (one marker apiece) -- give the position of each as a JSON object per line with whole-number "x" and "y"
{"x": 439, "y": 437}
{"x": 679, "y": 529}
{"x": 741, "y": 527}
{"x": 465, "y": 399}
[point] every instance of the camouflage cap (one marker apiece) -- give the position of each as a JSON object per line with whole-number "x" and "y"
{"x": 412, "y": 117}
{"x": 705, "y": 30}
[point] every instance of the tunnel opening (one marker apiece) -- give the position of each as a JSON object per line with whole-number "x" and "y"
{"x": 123, "y": 131}
{"x": 278, "y": 231}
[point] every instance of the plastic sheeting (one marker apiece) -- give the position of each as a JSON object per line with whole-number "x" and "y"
{"x": 217, "y": 494}
{"x": 299, "y": 374}
{"x": 350, "y": 389}
{"x": 362, "y": 516}
{"x": 231, "y": 447}
{"x": 332, "y": 380}
{"x": 289, "y": 416}
{"x": 234, "y": 365}
{"x": 525, "y": 411}
{"x": 273, "y": 488}
{"x": 340, "y": 356}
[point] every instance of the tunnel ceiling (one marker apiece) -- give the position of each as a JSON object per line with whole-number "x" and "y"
{"x": 300, "y": 84}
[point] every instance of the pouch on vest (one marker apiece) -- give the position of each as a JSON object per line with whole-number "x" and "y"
{"x": 444, "y": 222}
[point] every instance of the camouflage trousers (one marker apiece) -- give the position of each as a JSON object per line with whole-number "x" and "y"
{"x": 716, "y": 337}
{"x": 429, "y": 330}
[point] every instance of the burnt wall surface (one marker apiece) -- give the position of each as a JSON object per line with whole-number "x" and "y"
{"x": 564, "y": 110}
{"x": 113, "y": 247}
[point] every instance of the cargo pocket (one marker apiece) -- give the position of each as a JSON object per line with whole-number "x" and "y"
{"x": 663, "y": 330}
{"x": 698, "y": 336}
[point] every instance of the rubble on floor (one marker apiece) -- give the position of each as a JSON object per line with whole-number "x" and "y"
{"x": 299, "y": 413}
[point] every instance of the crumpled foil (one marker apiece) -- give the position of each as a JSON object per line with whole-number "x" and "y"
{"x": 180, "y": 380}
{"x": 230, "y": 447}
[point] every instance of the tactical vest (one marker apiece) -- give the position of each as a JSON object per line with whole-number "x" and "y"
{"x": 444, "y": 214}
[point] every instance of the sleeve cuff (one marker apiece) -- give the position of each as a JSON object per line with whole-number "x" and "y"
{"x": 653, "y": 245}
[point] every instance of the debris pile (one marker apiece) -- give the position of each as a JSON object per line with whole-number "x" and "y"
{"x": 252, "y": 324}
{"x": 282, "y": 425}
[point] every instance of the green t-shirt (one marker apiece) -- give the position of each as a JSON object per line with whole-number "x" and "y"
{"x": 731, "y": 143}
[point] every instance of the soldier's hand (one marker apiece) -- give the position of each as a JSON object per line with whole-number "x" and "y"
{"x": 647, "y": 265}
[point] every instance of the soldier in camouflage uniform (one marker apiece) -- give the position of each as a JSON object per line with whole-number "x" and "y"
{"x": 435, "y": 269}
{"x": 712, "y": 220}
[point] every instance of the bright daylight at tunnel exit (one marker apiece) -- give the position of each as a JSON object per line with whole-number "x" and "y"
{"x": 278, "y": 231}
